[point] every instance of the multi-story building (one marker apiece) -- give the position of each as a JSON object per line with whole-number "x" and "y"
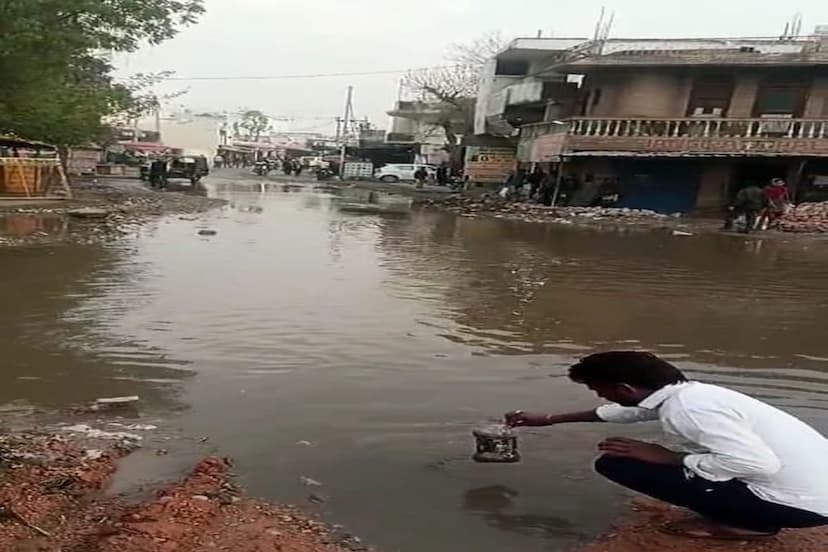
{"x": 674, "y": 125}
{"x": 423, "y": 124}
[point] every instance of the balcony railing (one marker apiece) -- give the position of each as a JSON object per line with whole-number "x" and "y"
{"x": 700, "y": 128}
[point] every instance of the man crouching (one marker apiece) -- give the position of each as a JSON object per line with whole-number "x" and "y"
{"x": 749, "y": 469}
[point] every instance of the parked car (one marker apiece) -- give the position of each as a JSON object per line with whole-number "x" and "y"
{"x": 403, "y": 172}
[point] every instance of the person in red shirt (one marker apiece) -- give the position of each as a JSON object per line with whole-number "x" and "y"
{"x": 777, "y": 199}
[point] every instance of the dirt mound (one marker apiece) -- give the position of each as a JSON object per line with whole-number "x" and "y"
{"x": 642, "y": 531}
{"x": 50, "y": 499}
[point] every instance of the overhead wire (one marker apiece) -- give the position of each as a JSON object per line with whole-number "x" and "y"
{"x": 306, "y": 75}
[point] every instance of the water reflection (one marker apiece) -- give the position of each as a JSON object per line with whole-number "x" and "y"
{"x": 22, "y": 225}
{"x": 496, "y": 504}
{"x": 54, "y": 354}
{"x": 513, "y": 287}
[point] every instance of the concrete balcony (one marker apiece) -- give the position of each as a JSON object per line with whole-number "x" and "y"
{"x": 695, "y": 137}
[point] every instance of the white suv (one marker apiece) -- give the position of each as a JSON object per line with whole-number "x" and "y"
{"x": 398, "y": 172}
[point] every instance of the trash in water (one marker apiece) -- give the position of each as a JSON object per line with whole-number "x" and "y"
{"x": 118, "y": 401}
{"x": 100, "y": 434}
{"x": 93, "y": 454}
{"x": 207, "y": 232}
{"x": 496, "y": 443}
{"x": 135, "y": 427}
{"x": 308, "y": 482}
{"x": 682, "y": 233}
{"x": 112, "y": 403}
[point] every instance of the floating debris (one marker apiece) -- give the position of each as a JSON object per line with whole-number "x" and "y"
{"x": 89, "y": 213}
{"x": 118, "y": 401}
{"x": 94, "y": 433}
{"x": 308, "y": 482}
{"x": 135, "y": 427}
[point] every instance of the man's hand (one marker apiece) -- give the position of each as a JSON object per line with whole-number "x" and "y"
{"x": 639, "y": 450}
{"x": 519, "y": 418}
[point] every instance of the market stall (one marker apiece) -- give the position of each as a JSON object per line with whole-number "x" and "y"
{"x": 31, "y": 170}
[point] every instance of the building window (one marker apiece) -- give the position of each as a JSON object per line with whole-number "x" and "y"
{"x": 710, "y": 96}
{"x": 782, "y": 96}
{"x": 512, "y": 68}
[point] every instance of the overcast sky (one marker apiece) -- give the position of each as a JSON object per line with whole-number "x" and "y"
{"x": 279, "y": 37}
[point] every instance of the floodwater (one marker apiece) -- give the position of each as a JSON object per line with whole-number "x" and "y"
{"x": 359, "y": 350}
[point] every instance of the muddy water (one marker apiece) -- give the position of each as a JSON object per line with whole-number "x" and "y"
{"x": 359, "y": 350}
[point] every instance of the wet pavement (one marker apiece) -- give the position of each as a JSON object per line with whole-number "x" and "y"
{"x": 360, "y": 349}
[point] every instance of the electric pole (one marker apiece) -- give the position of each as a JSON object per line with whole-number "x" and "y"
{"x": 346, "y": 129}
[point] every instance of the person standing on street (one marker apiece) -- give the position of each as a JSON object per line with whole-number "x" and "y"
{"x": 748, "y": 469}
{"x": 442, "y": 175}
{"x": 420, "y": 175}
{"x": 535, "y": 179}
{"x": 777, "y": 200}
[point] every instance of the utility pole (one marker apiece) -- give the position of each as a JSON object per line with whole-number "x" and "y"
{"x": 346, "y": 129}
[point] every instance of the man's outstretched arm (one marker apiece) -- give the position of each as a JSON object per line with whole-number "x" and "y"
{"x": 613, "y": 413}
{"x": 520, "y": 418}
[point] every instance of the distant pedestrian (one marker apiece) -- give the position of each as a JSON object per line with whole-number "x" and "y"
{"x": 297, "y": 167}
{"x": 287, "y": 167}
{"x": 546, "y": 190}
{"x": 158, "y": 173}
{"x": 535, "y": 180}
{"x": 749, "y": 202}
{"x": 442, "y": 175}
{"x": 518, "y": 181}
{"x": 777, "y": 200}
{"x": 421, "y": 175}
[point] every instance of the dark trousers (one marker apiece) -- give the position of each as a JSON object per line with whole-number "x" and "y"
{"x": 750, "y": 218}
{"x": 730, "y": 503}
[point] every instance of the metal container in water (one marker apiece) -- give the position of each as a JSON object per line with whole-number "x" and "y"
{"x": 496, "y": 444}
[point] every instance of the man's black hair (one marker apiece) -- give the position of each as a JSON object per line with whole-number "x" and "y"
{"x": 636, "y": 368}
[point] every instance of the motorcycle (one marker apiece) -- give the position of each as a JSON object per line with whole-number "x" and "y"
{"x": 261, "y": 168}
{"x": 324, "y": 174}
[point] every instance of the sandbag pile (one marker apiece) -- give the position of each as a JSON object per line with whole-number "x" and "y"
{"x": 806, "y": 218}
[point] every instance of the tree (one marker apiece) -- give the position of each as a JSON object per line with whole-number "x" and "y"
{"x": 255, "y": 123}
{"x": 55, "y": 83}
{"x": 453, "y": 88}
{"x": 66, "y": 107}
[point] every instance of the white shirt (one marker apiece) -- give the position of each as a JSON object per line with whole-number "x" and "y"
{"x": 732, "y": 436}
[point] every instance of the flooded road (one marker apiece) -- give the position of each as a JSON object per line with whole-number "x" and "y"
{"x": 359, "y": 350}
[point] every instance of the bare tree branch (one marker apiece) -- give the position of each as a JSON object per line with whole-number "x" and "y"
{"x": 479, "y": 51}
{"x": 453, "y": 88}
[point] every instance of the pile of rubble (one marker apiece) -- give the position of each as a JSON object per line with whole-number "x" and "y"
{"x": 533, "y": 212}
{"x": 806, "y": 218}
{"x": 50, "y": 499}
